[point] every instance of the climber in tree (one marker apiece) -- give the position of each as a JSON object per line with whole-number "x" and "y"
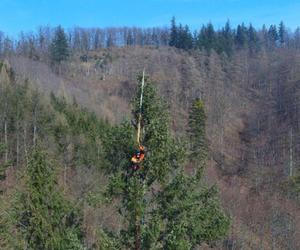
{"x": 137, "y": 158}
{"x": 139, "y": 155}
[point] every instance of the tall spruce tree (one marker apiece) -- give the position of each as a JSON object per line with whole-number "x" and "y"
{"x": 174, "y": 33}
{"x": 282, "y": 34}
{"x": 59, "y": 48}
{"x": 197, "y": 136}
{"x": 186, "y": 38}
{"x": 43, "y": 217}
{"x": 241, "y": 38}
{"x": 163, "y": 207}
{"x": 253, "y": 39}
{"x": 227, "y": 39}
{"x": 6, "y": 93}
{"x": 272, "y": 36}
{"x": 207, "y": 38}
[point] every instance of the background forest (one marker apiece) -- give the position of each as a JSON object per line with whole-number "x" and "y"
{"x": 67, "y": 101}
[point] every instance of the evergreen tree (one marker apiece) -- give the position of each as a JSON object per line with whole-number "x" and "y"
{"x": 293, "y": 186}
{"x": 164, "y": 208}
{"x": 207, "y": 38}
{"x": 197, "y": 136}
{"x": 210, "y": 36}
{"x": 77, "y": 133}
{"x": 227, "y": 39}
{"x": 264, "y": 36}
{"x": 188, "y": 38}
{"x": 253, "y": 39}
{"x": 272, "y": 35}
{"x": 296, "y": 40}
{"x": 282, "y": 34}
{"x": 173, "y": 34}
{"x": 241, "y": 38}
{"x": 59, "y": 48}
{"x": 2, "y": 166}
{"x": 43, "y": 217}
{"x": 185, "y": 39}
{"x": 6, "y": 113}
{"x": 180, "y": 37}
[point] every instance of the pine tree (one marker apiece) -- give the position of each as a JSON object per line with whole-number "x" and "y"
{"x": 282, "y": 34}
{"x": 181, "y": 37}
{"x": 297, "y": 38}
{"x": 264, "y": 36}
{"x": 187, "y": 42}
{"x": 6, "y": 93}
{"x": 197, "y": 136}
{"x": 210, "y": 36}
{"x": 272, "y": 36}
{"x": 253, "y": 39}
{"x": 241, "y": 38}
{"x": 163, "y": 207}
{"x": 207, "y": 38}
{"x": 43, "y": 217}
{"x": 227, "y": 39}
{"x": 59, "y": 48}
{"x": 174, "y": 33}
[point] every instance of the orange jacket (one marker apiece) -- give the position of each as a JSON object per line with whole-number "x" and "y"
{"x": 136, "y": 159}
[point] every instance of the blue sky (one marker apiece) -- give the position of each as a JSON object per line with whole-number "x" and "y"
{"x": 27, "y": 15}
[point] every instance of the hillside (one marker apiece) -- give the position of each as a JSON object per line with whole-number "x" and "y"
{"x": 252, "y": 103}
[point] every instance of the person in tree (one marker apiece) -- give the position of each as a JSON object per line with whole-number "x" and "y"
{"x": 137, "y": 158}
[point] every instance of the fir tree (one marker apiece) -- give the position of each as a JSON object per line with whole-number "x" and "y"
{"x": 272, "y": 35}
{"x": 163, "y": 207}
{"x": 253, "y": 39}
{"x": 207, "y": 37}
{"x": 6, "y": 94}
{"x": 227, "y": 39}
{"x": 187, "y": 38}
{"x": 43, "y": 217}
{"x": 282, "y": 34}
{"x": 59, "y": 48}
{"x": 296, "y": 39}
{"x": 174, "y": 33}
{"x": 197, "y": 136}
{"x": 241, "y": 38}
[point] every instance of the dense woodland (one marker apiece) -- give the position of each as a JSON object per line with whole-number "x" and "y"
{"x": 36, "y": 45}
{"x": 220, "y": 126}
{"x": 162, "y": 206}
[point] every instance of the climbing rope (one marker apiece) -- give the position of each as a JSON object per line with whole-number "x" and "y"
{"x": 140, "y": 110}
{"x": 139, "y": 155}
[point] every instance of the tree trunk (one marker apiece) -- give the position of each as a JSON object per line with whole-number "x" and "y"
{"x": 18, "y": 145}
{"x": 34, "y": 135}
{"x": 25, "y": 146}
{"x": 34, "y": 129}
{"x": 65, "y": 176}
{"x": 137, "y": 230}
{"x": 291, "y": 153}
{"x": 6, "y": 141}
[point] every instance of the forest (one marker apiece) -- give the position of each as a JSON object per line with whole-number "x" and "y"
{"x": 36, "y": 44}
{"x": 219, "y": 122}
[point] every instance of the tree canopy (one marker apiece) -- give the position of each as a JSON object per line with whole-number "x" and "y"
{"x": 165, "y": 207}
{"x": 59, "y": 47}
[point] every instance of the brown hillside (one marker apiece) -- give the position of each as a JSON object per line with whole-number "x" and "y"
{"x": 253, "y": 122}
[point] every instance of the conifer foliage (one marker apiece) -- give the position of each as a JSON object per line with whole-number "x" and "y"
{"x": 164, "y": 207}
{"x": 59, "y": 48}
{"x": 161, "y": 204}
{"x": 46, "y": 220}
{"x": 197, "y": 137}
